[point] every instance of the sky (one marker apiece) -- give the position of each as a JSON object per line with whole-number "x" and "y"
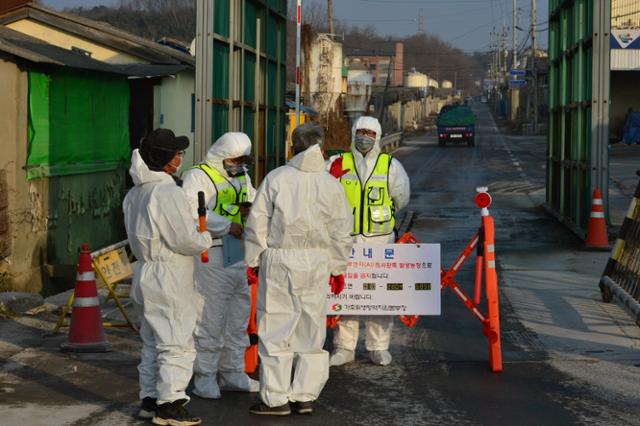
{"x": 465, "y": 24}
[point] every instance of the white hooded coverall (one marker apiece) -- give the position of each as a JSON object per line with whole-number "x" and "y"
{"x": 162, "y": 233}
{"x": 378, "y": 328}
{"x": 225, "y": 297}
{"x": 298, "y": 234}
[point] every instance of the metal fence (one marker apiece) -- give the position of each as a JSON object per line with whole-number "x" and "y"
{"x": 241, "y": 77}
{"x": 577, "y": 159}
{"x": 621, "y": 276}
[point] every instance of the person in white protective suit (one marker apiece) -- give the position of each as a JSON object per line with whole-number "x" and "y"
{"x": 297, "y": 234}
{"x": 162, "y": 231}
{"x": 377, "y": 186}
{"x": 225, "y": 305}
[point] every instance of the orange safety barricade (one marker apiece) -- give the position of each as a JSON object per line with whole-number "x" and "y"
{"x": 333, "y": 320}
{"x": 251, "y": 353}
{"x": 484, "y": 243}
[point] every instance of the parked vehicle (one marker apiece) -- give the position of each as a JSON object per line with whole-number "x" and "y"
{"x": 456, "y": 123}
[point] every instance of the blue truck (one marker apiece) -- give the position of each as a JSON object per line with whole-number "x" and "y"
{"x": 456, "y": 124}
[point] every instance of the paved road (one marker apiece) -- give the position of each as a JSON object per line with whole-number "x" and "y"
{"x": 440, "y": 373}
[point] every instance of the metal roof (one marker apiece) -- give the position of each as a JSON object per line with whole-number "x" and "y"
{"x": 99, "y": 32}
{"x": 34, "y": 50}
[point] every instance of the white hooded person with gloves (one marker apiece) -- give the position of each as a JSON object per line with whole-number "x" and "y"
{"x": 225, "y": 305}
{"x": 297, "y": 234}
{"x": 376, "y": 186}
{"x": 162, "y": 232}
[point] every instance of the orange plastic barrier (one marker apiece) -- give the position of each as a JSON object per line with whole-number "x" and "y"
{"x": 202, "y": 223}
{"x": 484, "y": 242}
{"x": 251, "y": 353}
{"x": 333, "y": 320}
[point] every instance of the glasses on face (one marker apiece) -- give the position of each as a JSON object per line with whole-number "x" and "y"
{"x": 366, "y": 132}
{"x": 181, "y": 153}
{"x": 245, "y": 159}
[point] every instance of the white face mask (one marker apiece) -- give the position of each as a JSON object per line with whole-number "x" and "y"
{"x": 235, "y": 170}
{"x": 364, "y": 143}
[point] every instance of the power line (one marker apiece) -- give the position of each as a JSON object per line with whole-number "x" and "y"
{"x": 427, "y": 2}
{"x": 420, "y": 20}
{"x": 443, "y": 15}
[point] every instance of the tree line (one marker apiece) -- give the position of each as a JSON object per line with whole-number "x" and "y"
{"x": 154, "y": 19}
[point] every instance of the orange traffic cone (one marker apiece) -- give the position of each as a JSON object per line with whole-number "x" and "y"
{"x": 85, "y": 332}
{"x": 597, "y": 228}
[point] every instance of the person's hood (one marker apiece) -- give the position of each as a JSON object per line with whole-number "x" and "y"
{"x": 369, "y": 123}
{"x": 141, "y": 174}
{"x": 229, "y": 145}
{"x": 310, "y": 160}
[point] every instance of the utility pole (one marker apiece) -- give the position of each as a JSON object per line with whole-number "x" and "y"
{"x": 298, "y": 35}
{"x": 496, "y": 58}
{"x": 330, "y": 14}
{"x": 534, "y": 88}
{"x": 499, "y": 54}
{"x": 514, "y": 47}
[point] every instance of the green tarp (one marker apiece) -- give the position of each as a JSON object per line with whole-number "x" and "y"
{"x": 78, "y": 123}
{"x": 457, "y": 116}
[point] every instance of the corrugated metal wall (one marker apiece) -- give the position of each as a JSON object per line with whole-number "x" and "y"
{"x": 578, "y": 106}
{"x": 625, "y": 13}
{"x": 625, "y": 60}
{"x": 84, "y": 208}
{"x": 240, "y": 76}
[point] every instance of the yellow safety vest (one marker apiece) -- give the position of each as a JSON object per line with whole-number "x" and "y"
{"x": 372, "y": 206}
{"x": 228, "y": 197}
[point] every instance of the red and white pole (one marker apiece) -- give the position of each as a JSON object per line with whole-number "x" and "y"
{"x": 298, "y": 36}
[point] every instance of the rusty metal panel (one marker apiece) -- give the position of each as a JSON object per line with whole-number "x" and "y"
{"x": 5, "y": 230}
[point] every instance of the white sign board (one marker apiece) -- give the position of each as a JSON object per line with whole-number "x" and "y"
{"x": 390, "y": 279}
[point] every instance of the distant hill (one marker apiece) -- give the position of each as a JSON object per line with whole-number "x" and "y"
{"x": 152, "y": 19}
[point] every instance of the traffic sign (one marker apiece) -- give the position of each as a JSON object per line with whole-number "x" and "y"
{"x": 518, "y": 72}
{"x": 517, "y": 83}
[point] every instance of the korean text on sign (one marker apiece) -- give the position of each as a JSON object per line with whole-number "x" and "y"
{"x": 390, "y": 279}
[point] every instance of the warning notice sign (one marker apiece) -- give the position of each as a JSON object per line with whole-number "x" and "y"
{"x": 390, "y": 279}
